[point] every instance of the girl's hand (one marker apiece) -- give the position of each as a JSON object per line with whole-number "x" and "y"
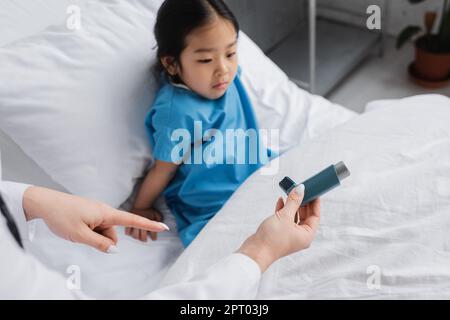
{"x": 141, "y": 234}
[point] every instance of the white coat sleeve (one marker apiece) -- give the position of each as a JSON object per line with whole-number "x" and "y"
{"x": 236, "y": 277}
{"x": 12, "y": 193}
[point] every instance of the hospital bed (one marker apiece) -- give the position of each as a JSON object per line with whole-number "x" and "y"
{"x": 383, "y": 234}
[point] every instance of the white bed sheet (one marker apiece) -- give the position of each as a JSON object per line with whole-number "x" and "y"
{"x": 384, "y": 232}
{"x": 139, "y": 268}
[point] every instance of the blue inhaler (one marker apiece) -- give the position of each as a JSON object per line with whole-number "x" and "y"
{"x": 319, "y": 184}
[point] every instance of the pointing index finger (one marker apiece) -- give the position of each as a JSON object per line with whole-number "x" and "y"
{"x": 126, "y": 219}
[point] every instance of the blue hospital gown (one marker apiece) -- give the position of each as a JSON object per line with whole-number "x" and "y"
{"x": 200, "y": 188}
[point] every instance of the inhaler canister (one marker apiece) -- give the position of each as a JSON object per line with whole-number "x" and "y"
{"x": 318, "y": 184}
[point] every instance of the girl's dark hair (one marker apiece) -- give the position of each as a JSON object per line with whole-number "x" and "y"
{"x": 177, "y": 18}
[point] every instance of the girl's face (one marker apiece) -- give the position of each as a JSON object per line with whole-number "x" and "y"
{"x": 209, "y": 62}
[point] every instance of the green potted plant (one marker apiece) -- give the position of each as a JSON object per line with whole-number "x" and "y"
{"x": 432, "y": 62}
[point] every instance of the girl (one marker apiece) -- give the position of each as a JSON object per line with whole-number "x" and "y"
{"x": 200, "y": 90}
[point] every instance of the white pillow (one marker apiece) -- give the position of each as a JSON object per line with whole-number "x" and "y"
{"x": 75, "y": 101}
{"x": 22, "y": 18}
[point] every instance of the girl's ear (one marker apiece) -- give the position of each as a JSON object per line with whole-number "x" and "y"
{"x": 170, "y": 65}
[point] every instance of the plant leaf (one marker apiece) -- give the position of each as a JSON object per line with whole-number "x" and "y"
{"x": 407, "y": 34}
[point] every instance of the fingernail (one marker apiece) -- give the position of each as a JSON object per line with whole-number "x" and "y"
{"x": 112, "y": 249}
{"x": 300, "y": 189}
{"x": 164, "y": 226}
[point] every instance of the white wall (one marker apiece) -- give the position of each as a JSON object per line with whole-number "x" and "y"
{"x": 400, "y": 12}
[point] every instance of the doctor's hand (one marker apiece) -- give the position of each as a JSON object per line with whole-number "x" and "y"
{"x": 289, "y": 230}
{"x": 81, "y": 220}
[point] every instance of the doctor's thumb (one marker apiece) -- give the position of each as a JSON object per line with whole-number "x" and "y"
{"x": 99, "y": 242}
{"x": 294, "y": 200}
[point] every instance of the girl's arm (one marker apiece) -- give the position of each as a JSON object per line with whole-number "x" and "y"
{"x": 154, "y": 184}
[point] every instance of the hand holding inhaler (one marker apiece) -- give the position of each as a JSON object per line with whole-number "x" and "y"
{"x": 320, "y": 183}
{"x": 278, "y": 235}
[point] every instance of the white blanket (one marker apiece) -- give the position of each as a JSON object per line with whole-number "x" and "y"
{"x": 384, "y": 232}
{"x": 139, "y": 268}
